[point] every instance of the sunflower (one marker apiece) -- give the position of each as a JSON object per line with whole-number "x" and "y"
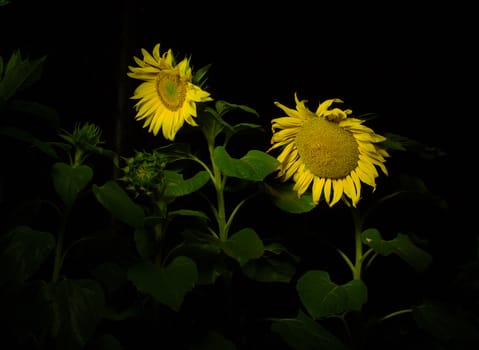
{"x": 327, "y": 150}
{"x": 167, "y": 97}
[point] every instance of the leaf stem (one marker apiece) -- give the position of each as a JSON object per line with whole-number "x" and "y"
{"x": 396, "y": 313}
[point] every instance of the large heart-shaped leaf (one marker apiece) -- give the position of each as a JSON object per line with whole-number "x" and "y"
{"x": 213, "y": 341}
{"x": 167, "y": 285}
{"x": 286, "y": 199}
{"x": 176, "y": 186}
{"x": 254, "y": 166}
{"x": 447, "y": 323}
{"x": 276, "y": 265}
{"x": 75, "y": 308}
{"x": 111, "y": 275}
{"x": 106, "y": 342}
{"x": 23, "y": 254}
{"x": 402, "y": 246}
{"x": 323, "y": 298}
{"x": 208, "y": 257}
{"x": 243, "y": 246}
{"x": 303, "y": 333}
{"x": 70, "y": 180}
{"x": 117, "y": 201}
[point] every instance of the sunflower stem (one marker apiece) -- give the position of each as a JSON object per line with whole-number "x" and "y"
{"x": 59, "y": 256}
{"x": 219, "y": 183}
{"x": 358, "y": 261}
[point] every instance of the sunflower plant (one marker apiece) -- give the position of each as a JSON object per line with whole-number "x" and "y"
{"x": 191, "y": 242}
{"x": 329, "y": 155}
{"x": 169, "y": 96}
{"x": 326, "y": 156}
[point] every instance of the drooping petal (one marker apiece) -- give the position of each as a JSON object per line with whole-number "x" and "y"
{"x": 332, "y": 155}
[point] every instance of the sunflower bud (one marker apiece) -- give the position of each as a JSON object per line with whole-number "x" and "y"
{"x": 143, "y": 173}
{"x": 84, "y": 139}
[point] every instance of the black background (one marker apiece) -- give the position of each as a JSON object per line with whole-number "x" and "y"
{"x": 411, "y": 65}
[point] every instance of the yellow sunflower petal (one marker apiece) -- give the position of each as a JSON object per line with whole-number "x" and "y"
{"x": 290, "y": 112}
{"x": 350, "y": 189}
{"x": 323, "y": 107}
{"x": 303, "y": 180}
{"x": 291, "y": 168}
{"x": 337, "y": 191}
{"x": 327, "y": 190}
{"x": 317, "y": 189}
{"x": 311, "y": 156}
{"x": 167, "y": 96}
{"x": 357, "y": 184}
{"x": 286, "y": 122}
{"x": 366, "y": 177}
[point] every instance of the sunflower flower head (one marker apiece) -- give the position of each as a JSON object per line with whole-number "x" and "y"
{"x": 167, "y": 97}
{"x": 327, "y": 150}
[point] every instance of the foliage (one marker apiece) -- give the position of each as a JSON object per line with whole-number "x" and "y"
{"x": 193, "y": 242}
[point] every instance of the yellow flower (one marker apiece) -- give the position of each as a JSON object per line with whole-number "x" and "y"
{"x": 327, "y": 150}
{"x": 167, "y": 97}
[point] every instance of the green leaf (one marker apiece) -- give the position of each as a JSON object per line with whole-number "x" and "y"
{"x": 245, "y": 127}
{"x": 323, "y": 298}
{"x": 112, "y": 312}
{"x": 223, "y": 107}
{"x": 208, "y": 257}
{"x": 174, "y": 151}
{"x": 243, "y": 246}
{"x": 199, "y": 78}
{"x": 24, "y": 251}
{"x": 106, "y": 342}
{"x": 187, "y": 212}
{"x": 273, "y": 266}
{"x": 117, "y": 201}
{"x": 448, "y": 324}
{"x": 24, "y": 136}
{"x": 214, "y": 341}
{"x": 19, "y": 74}
{"x": 69, "y": 180}
{"x": 176, "y": 186}
{"x": 286, "y": 199}
{"x": 397, "y": 142}
{"x": 144, "y": 242}
{"x": 167, "y": 285}
{"x": 75, "y": 308}
{"x": 43, "y": 113}
{"x": 402, "y": 246}
{"x": 212, "y": 124}
{"x": 111, "y": 275}
{"x": 254, "y": 166}
{"x": 303, "y": 333}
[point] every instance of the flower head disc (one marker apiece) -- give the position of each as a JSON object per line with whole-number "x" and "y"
{"x": 167, "y": 97}
{"x": 327, "y": 151}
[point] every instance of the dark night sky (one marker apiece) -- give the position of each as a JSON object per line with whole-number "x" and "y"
{"x": 406, "y": 64}
{"x": 403, "y": 63}
{"x": 410, "y": 65}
